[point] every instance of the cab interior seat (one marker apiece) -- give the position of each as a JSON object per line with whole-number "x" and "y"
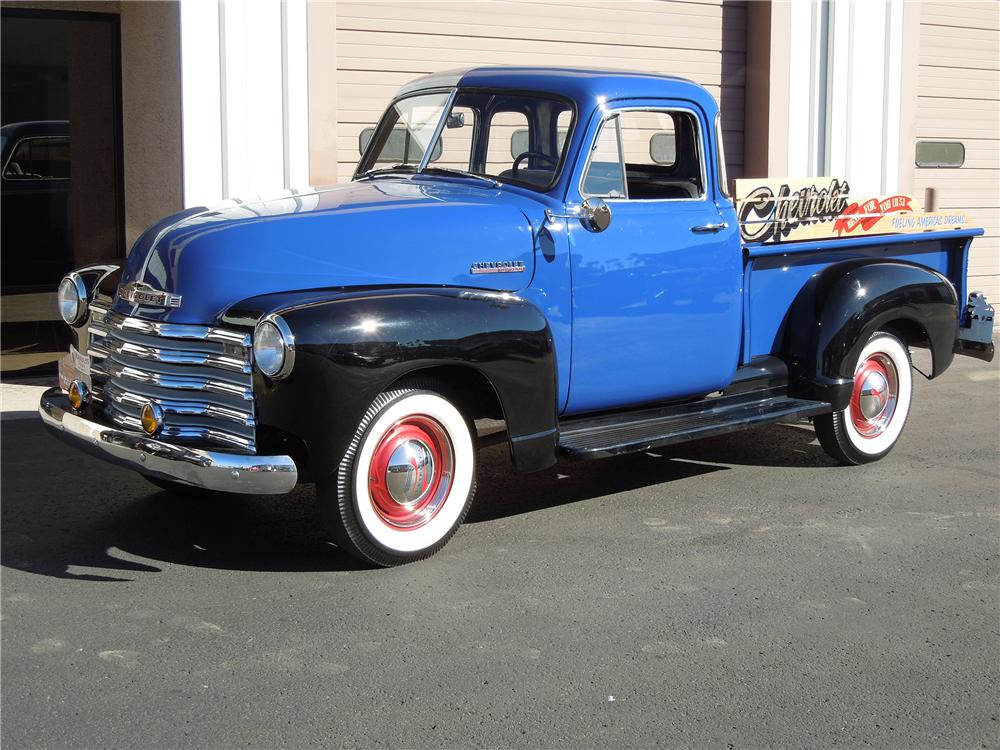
{"x": 646, "y": 182}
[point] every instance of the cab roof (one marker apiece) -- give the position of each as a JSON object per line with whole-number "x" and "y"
{"x": 587, "y": 86}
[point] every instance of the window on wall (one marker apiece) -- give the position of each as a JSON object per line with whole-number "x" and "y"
{"x": 941, "y": 154}
{"x": 659, "y": 154}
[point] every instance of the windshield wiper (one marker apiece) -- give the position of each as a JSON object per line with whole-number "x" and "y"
{"x": 460, "y": 173}
{"x": 394, "y": 169}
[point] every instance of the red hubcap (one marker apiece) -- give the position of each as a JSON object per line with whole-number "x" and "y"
{"x": 873, "y": 400}
{"x": 410, "y": 474}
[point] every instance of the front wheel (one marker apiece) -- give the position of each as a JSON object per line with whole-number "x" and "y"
{"x": 873, "y": 421}
{"x": 406, "y": 481}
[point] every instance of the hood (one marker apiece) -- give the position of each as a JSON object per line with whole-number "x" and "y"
{"x": 390, "y": 231}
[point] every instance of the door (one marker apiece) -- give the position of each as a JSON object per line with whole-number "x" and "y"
{"x": 60, "y": 170}
{"x": 656, "y": 296}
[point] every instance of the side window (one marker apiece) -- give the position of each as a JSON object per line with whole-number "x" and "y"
{"x": 45, "y": 158}
{"x": 663, "y": 155}
{"x": 604, "y": 172}
{"x": 519, "y": 139}
{"x": 503, "y": 126}
{"x": 563, "y": 122}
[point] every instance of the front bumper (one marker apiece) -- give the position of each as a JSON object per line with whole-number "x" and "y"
{"x": 224, "y": 472}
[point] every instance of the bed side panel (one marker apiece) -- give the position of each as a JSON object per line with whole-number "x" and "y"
{"x": 775, "y": 279}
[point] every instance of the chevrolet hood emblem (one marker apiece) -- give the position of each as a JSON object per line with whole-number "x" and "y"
{"x": 139, "y": 293}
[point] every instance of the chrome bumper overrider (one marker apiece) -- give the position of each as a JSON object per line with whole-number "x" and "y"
{"x": 225, "y": 472}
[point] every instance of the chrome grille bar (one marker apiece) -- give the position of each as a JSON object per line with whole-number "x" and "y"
{"x": 108, "y": 345}
{"x": 114, "y": 369}
{"x": 106, "y": 318}
{"x": 201, "y": 376}
{"x": 186, "y": 433}
{"x": 120, "y": 396}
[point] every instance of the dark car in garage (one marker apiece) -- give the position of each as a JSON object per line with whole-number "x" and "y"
{"x": 35, "y": 203}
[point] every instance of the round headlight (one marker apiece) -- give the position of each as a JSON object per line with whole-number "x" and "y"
{"x": 274, "y": 347}
{"x": 72, "y": 299}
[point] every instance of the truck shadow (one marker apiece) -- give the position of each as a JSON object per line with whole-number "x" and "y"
{"x": 502, "y": 493}
{"x": 68, "y": 515}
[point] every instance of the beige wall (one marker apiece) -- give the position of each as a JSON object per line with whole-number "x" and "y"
{"x": 322, "y": 43}
{"x": 378, "y": 46}
{"x": 758, "y": 88}
{"x": 767, "y": 90}
{"x": 151, "y": 113}
{"x": 957, "y": 97}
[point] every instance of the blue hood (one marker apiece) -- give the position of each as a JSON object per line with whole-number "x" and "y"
{"x": 392, "y": 231}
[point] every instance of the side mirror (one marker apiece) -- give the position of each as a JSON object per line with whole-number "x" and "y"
{"x": 455, "y": 120}
{"x": 595, "y": 215}
{"x": 364, "y": 138}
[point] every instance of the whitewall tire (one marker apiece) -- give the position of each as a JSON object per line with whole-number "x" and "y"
{"x": 406, "y": 480}
{"x": 880, "y": 402}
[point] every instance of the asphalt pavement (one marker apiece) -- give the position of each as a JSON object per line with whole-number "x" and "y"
{"x": 741, "y": 591}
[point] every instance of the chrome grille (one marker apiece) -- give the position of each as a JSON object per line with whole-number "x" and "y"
{"x": 199, "y": 375}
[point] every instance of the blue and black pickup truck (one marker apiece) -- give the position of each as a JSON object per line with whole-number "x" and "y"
{"x": 554, "y": 248}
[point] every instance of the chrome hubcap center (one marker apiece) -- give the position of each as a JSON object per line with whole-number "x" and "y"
{"x": 874, "y": 394}
{"x": 873, "y": 400}
{"x": 410, "y": 472}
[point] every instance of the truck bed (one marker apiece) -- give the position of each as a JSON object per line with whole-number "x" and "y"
{"x": 774, "y": 274}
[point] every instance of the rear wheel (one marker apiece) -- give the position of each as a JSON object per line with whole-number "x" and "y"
{"x": 406, "y": 481}
{"x": 880, "y": 401}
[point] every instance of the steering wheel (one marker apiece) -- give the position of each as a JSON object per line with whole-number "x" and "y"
{"x": 537, "y": 155}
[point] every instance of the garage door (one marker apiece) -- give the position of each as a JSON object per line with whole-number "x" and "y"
{"x": 958, "y": 100}
{"x": 381, "y": 46}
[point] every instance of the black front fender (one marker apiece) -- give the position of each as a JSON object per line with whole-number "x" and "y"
{"x": 841, "y": 307}
{"x": 352, "y": 345}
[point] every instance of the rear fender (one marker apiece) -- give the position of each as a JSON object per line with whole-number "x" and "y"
{"x": 352, "y": 345}
{"x": 841, "y": 307}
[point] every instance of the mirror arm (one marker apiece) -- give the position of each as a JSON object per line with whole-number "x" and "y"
{"x": 593, "y": 213}
{"x": 551, "y": 216}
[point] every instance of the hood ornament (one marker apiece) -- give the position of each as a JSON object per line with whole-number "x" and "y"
{"x": 140, "y": 293}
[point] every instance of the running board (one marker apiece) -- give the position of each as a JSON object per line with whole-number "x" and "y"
{"x": 640, "y": 430}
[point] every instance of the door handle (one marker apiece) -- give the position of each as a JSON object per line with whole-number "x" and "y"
{"x": 710, "y": 228}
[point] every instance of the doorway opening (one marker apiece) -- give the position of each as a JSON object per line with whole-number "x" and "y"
{"x": 61, "y": 200}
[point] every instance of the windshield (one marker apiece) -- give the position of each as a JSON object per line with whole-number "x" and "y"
{"x": 515, "y": 138}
